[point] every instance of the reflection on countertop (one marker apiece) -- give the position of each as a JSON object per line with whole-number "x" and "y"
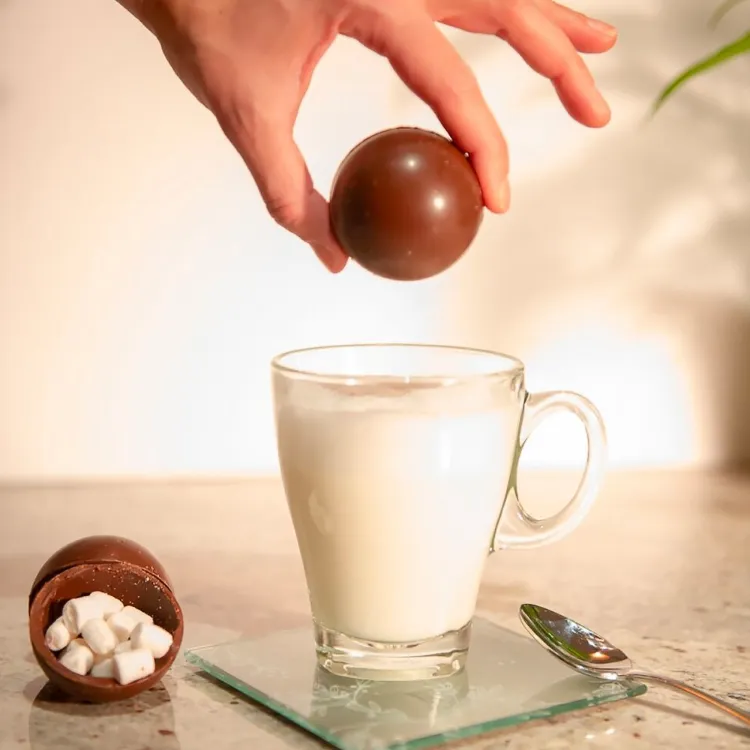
{"x": 661, "y": 568}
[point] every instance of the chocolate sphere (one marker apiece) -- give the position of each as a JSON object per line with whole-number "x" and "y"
{"x": 406, "y": 204}
{"x": 99, "y": 549}
{"x": 119, "y": 567}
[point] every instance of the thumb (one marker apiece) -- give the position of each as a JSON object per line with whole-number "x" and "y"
{"x": 266, "y": 144}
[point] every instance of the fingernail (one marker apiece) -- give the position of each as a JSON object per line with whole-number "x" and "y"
{"x": 329, "y": 257}
{"x": 601, "y": 107}
{"x": 503, "y": 196}
{"x": 601, "y": 27}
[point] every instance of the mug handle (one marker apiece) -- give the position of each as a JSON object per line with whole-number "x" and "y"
{"x": 518, "y": 529}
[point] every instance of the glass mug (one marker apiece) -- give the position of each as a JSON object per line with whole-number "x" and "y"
{"x": 399, "y": 465}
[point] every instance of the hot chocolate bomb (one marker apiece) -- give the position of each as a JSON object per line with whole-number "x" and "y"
{"x": 118, "y": 567}
{"x": 406, "y": 204}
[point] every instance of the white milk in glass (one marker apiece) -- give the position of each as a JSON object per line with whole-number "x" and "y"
{"x": 394, "y": 501}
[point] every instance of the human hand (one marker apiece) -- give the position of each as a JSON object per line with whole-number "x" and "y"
{"x": 250, "y": 62}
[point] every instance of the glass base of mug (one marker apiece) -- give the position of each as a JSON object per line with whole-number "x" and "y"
{"x": 344, "y": 656}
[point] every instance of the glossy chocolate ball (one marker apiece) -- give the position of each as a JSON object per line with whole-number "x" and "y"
{"x": 406, "y": 204}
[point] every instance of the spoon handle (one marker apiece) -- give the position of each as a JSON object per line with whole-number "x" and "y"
{"x": 723, "y": 705}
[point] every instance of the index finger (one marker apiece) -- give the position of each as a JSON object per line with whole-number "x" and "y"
{"x": 265, "y": 140}
{"x": 432, "y": 68}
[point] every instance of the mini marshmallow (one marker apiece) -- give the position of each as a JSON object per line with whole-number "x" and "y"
{"x": 99, "y": 636}
{"x": 157, "y": 640}
{"x": 75, "y": 643}
{"x": 121, "y": 624}
{"x": 137, "y": 615}
{"x": 133, "y": 665}
{"x": 78, "y": 659}
{"x": 124, "y": 646}
{"x": 77, "y": 612}
{"x": 109, "y": 604}
{"x": 57, "y": 636}
{"x": 104, "y": 667}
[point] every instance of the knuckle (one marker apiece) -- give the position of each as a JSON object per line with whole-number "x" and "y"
{"x": 285, "y": 213}
{"x": 238, "y": 110}
{"x": 452, "y": 95}
{"x": 380, "y": 23}
{"x": 513, "y": 11}
{"x": 496, "y": 147}
{"x": 388, "y": 10}
{"x": 459, "y": 88}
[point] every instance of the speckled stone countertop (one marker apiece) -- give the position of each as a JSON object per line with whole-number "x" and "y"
{"x": 662, "y": 567}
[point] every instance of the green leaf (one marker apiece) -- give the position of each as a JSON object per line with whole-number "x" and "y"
{"x": 721, "y": 11}
{"x": 740, "y": 46}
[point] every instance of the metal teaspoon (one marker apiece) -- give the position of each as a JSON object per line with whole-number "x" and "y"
{"x": 588, "y": 653}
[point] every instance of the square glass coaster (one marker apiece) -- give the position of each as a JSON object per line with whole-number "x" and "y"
{"x": 508, "y": 680}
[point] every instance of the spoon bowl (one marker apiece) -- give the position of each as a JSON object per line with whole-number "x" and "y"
{"x": 574, "y": 644}
{"x": 590, "y": 654}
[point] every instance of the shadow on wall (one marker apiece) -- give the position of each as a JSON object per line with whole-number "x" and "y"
{"x": 647, "y": 229}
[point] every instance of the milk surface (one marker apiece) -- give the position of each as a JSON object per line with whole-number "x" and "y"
{"x": 394, "y": 507}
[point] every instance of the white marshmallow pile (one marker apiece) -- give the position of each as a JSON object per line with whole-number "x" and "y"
{"x": 97, "y": 635}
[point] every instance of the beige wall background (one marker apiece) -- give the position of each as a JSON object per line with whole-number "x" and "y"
{"x": 143, "y": 288}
